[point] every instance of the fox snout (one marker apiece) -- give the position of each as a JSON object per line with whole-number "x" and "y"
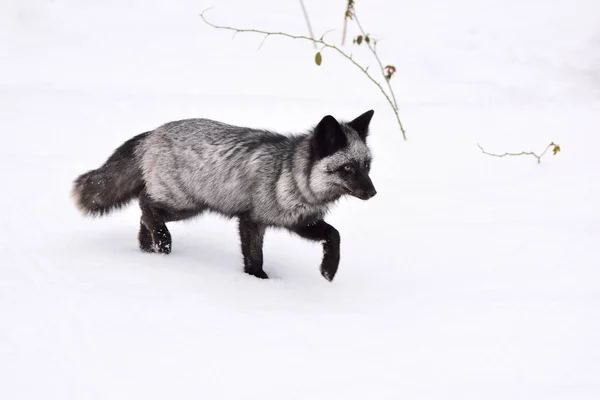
{"x": 363, "y": 187}
{"x": 370, "y": 193}
{"x": 364, "y": 195}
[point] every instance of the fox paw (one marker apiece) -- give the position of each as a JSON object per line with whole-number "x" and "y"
{"x": 163, "y": 247}
{"x": 259, "y": 273}
{"x": 162, "y": 239}
{"x": 145, "y": 241}
{"x": 329, "y": 269}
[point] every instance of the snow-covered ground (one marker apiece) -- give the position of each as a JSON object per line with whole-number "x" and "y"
{"x": 466, "y": 277}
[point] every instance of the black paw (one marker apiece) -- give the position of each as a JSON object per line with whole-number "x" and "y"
{"x": 145, "y": 240}
{"x": 259, "y": 273}
{"x": 329, "y": 268}
{"x": 163, "y": 241}
{"x": 163, "y": 248}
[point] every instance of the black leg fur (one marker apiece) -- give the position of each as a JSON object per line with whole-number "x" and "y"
{"x": 145, "y": 239}
{"x": 155, "y": 224}
{"x": 322, "y": 231}
{"x": 252, "y": 235}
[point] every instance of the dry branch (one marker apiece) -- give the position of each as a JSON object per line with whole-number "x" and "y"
{"x": 555, "y": 149}
{"x": 390, "y": 98}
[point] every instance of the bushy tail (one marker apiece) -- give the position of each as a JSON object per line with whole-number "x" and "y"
{"x": 114, "y": 184}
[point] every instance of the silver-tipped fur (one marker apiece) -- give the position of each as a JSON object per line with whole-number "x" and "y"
{"x": 263, "y": 178}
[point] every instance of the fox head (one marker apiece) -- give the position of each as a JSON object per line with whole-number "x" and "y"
{"x": 342, "y": 160}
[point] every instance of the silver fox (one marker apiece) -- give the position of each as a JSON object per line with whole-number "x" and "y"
{"x": 263, "y": 178}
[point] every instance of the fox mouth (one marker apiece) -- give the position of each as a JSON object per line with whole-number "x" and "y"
{"x": 359, "y": 194}
{"x": 363, "y": 195}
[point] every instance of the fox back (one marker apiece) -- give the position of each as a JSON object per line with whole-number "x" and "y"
{"x": 278, "y": 179}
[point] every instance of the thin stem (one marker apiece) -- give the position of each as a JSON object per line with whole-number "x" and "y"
{"x": 372, "y": 48}
{"x": 310, "y": 31}
{"x": 523, "y": 153}
{"x": 325, "y": 45}
{"x": 545, "y": 150}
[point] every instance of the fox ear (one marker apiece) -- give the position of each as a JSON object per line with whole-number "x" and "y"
{"x": 361, "y": 124}
{"x": 327, "y": 137}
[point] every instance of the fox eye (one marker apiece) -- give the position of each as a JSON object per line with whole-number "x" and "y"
{"x": 348, "y": 168}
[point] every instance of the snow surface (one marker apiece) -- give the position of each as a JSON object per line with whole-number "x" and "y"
{"x": 466, "y": 277}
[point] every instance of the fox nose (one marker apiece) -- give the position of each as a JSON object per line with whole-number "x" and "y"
{"x": 367, "y": 187}
{"x": 372, "y": 193}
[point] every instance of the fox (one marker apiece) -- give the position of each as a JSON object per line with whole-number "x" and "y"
{"x": 262, "y": 178}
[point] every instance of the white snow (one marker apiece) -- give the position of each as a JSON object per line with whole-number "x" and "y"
{"x": 466, "y": 277}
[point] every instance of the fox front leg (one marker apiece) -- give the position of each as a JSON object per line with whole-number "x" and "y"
{"x": 322, "y": 231}
{"x": 252, "y": 235}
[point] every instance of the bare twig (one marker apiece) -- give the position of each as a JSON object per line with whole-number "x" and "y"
{"x": 325, "y": 45}
{"x": 372, "y": 48}
{"x": 347, "y": 16}
{"x": 310, "y": 31}
{"x": 344, "y": 31}
{"x": 555, "y": 149}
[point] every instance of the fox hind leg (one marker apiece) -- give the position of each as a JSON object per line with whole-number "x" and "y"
{"x": 145, "y": 239}
{"x": 155, "y": 228}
